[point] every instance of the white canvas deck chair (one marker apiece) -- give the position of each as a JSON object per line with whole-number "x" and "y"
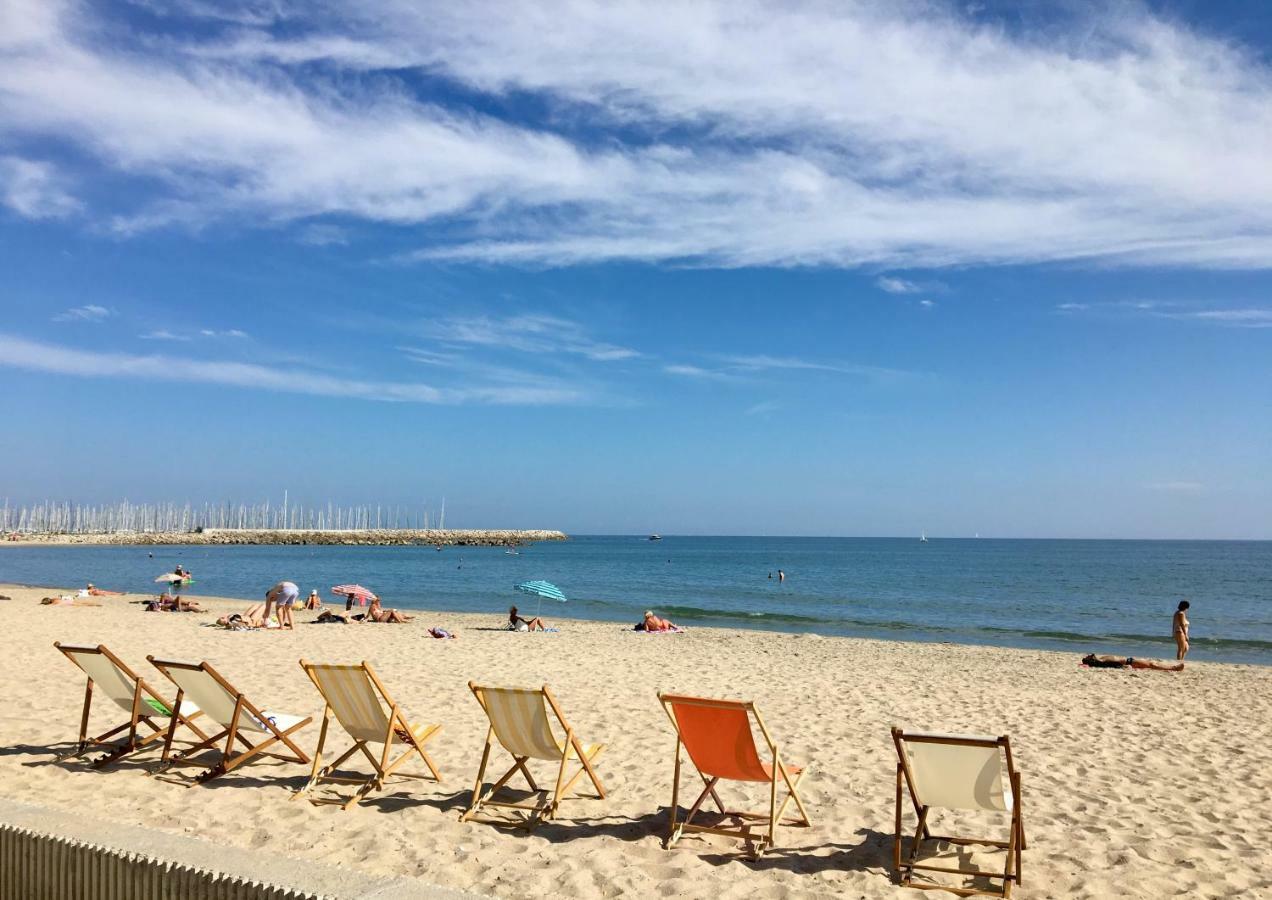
{"x": 363, "y": 708}
{"x": 108, "y": 674}
{"x": 958, "y": 772}
{"x": 717, "y": 735}
{"x": 238, "y": 717}
{"x": 521, "y": 722}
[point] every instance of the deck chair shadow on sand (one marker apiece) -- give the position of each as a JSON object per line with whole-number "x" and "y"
{"x": 718, "y": 738}
{"x": 110, "y": 676}
{"x": 521, "y": 723}
{"x": 237, "y": 716}
{"x": 958, "y": 772}
{"x": 362, "y": 706}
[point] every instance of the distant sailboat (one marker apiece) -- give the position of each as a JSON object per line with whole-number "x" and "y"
{"x": 655, "y": 537}
{"x": 923, "y": 537}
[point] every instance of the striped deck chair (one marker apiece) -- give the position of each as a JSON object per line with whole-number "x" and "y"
{"x": 520, "y": 722}
{"x": 108, "y": 673}
{"x": 962, "y": 772}
{"x": 363, "y": 708}
{"x": 718, "y": 738}
{"x": 237, "y": 716}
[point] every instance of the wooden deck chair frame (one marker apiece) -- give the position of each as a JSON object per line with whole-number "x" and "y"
{"x": 395, "y": 728}
{"x": 142, "y": 711}
{"x": 547, "y": 802}
{"x": 244, "y": 712}
{"x": 1014, "y": 845}
{"x": 778, "y": 771}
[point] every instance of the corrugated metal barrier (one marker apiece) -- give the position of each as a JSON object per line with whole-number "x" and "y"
{"x": 37, "y": 866}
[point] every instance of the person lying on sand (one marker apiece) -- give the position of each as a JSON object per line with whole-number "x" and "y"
{"x": 518, "y": 623}
{"x": 173, "y": 604}
{"x": 391, "y": 616}
{"x": 654, "y": 623}
{"x": 67, "y": 601}
{"x": 1127, "y": 662}
{"x": 249, "y": 618}
{"x": 327, "y": 617}
{"x": 442, "y": 634}
{"x": 98, "y": 592}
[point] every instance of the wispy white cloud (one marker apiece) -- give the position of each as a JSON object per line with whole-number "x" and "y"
{"x": 764, "y": 407}
{"x": 89, "y": 313}
{"x": 741, "y": 367}
{"x": 20, "y": 353}
{"x": 528, "y": 333}
{"x": 227, "y": 333}
{"x": 897, "y": 285}
{"x": 322, "y": 234}
{"x": 762, "y": 362}
{"x": 163, "y": 334}
{"x": 1257, "y": 317}
{"x": 34, "y": 189}
{"x": 1177, "y": 487}
{"x": 430, "y": 357}
{"x": 1182, "y": 311}
{"x": 927, "y": 304}
{"x": 685, "y": 370}
{"x": 724, "y": 134}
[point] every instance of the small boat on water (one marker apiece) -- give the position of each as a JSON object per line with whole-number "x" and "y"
{"x": 655, "y": 537}
{"x": 923, "y": 537}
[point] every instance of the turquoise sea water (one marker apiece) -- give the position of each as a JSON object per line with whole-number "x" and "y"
{"x": 1106, "y": 596}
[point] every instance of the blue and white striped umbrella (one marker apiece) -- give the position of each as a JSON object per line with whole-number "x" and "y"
{"x": 541, "y": 589}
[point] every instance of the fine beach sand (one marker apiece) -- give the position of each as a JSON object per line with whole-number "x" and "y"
{"x": 1136, "y": 784}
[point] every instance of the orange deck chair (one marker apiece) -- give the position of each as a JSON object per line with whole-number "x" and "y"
{"x": 130, "y": 692}
{"x": 717, "y": 735}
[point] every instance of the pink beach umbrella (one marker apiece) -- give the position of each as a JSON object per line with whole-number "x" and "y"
{"x": 354, "y": 592}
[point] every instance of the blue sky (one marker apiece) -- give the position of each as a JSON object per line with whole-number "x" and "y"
{"x": 714, "y": 268}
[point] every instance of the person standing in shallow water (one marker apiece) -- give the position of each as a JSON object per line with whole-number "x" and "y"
{"x": 1180, "y": 628}
{"x": 781, "y": 576}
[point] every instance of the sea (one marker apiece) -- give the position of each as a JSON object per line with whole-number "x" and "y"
{"x": 1072, "y": 595}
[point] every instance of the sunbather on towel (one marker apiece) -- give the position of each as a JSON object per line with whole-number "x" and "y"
{"x": 68, "y": 601}
{"x": 98, "y": 592}
{"x": 520, "y": 623}
{"x": 173, "y": 604}
{"x": 654, "y": 623}
{"x": 392, "y": 616}
{"x": 441, "y": 634}
{"x": 1127, "y": 662}
{"x": 249, "y": 618}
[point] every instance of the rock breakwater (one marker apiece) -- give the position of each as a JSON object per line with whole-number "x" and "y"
{"x": 376, "y": 537}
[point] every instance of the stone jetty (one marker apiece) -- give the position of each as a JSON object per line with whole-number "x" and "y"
{"x": 370, "y": 537}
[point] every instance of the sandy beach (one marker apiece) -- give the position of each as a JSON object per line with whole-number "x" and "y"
{"x": 1136, "y": 784}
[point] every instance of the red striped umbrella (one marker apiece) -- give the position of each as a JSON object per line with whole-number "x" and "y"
{"x": 354, "y": 591}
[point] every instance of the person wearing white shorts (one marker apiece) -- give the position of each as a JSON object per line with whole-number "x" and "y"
{"x": 284, "y": 594}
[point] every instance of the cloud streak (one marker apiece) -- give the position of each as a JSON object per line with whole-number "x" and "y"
{"x": 34, "y": 189}
{"x": 89, "y": 313}
{"x": 719, "y": 134}
{"x": 528, "y": 333}
{"x": 35, "y": 356}
{"x": 897, "y": 285}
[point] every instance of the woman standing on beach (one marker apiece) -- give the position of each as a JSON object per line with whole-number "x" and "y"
{"x": 1180, "y": 628}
